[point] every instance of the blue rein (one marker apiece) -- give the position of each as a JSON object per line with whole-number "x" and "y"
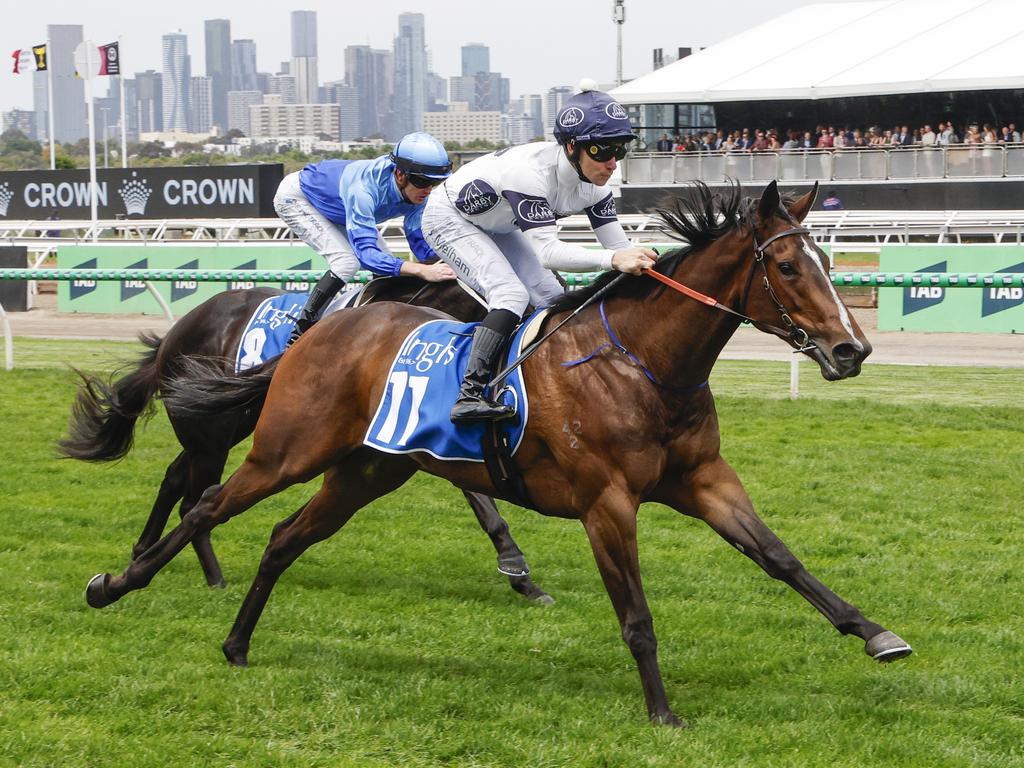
{"x": 635, "y": 360}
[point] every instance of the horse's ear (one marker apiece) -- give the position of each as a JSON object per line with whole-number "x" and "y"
{"x": 769, "y": 202}
{"x": 802, "y": 206}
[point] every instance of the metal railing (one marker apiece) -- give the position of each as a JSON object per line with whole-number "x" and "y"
{"x": 956, "y": 161}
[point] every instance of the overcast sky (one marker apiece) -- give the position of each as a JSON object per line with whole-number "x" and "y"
{"x": 535, "y": 43}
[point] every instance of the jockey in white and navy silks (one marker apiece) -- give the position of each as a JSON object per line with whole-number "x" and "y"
{"x": 335, "y": 206}
{"x": 493, "y": 222}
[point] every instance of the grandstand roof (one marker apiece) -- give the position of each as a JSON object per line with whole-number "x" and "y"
{"x": 839, "y": 50}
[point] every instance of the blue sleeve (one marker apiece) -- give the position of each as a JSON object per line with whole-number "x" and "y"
{"x": 361, "y": 227}
{"x": 414, "y": 234}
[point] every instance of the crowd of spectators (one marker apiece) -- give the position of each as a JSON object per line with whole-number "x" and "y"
{"x": 829, "y": 137}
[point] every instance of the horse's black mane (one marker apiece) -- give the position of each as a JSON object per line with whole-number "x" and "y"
{"x": 698, "y": 218}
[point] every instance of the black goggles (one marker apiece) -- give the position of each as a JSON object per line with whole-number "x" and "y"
{"x": 602, "y": 153}
{"x": 423, "y": 182}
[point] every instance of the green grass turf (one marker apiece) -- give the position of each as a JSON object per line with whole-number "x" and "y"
{"x": 397, "y": 644}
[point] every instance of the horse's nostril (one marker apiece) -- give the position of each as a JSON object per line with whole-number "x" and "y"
{"x": 847, "y": 353}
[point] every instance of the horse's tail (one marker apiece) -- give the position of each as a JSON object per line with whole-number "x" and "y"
{"x": 201, "y": 388}
{"x": 105, "y": 412}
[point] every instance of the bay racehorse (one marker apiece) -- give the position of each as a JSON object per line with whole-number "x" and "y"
{"x": 106, "y": 412}
{"x": 636, "y": 422}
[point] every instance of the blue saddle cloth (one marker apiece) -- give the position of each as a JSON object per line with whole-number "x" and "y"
{"x": 271, "y": 324}
{"x": 268, "y": 329}
{"x": 423, "y": 383}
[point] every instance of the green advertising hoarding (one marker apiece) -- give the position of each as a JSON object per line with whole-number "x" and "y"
{"x": 132, "y": 297}
{"x": 992, "y": 309}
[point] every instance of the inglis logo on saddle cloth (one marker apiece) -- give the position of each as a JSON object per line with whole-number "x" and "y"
{"x": 423, "y": 355}
{"x": 1002, "y": 297}
{"x": 918, "y": 297}
{"x": 476, "y": 197}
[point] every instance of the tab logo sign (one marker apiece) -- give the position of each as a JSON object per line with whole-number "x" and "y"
{"x": 918, "y": 297}
{"x": 132, "y": 288}
{"x": 182, "y": 289}
{"x": 236, "y": 285}
{"x": 293, "y": 287}
{"x": 81, "y": 287}
{"x": 998, "y": 298}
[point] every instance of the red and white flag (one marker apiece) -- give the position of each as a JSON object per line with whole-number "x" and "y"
{"x": 110, "y": 59}
{"x": 29, "y": 59}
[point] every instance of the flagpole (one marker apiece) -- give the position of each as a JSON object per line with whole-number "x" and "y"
{"x": 124, "y": 123}
{"x": 90, "y": 70}
{"x": 49, "y": 101}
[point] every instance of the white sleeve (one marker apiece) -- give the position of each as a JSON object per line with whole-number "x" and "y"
{"x": 567, "y": 257}
{"x": 605, "y": 221}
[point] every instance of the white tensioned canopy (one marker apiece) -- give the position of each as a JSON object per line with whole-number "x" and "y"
{"x": 836, "y": 50}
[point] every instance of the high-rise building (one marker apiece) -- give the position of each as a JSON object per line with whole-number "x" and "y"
{"x": 238, "y": 109}
{"x": 347, "y": 98}
{"x": 69, "y": 123}
{"x": 177, "y": 82}
{"x": 202, "y": 104}
{"x": 23, "y": 120}
{"x": 131, "y": 109}
{"x": 303, "y": 63}
{"x": 410, "y": 74}
{"x": 218, "y": 67}
{"x": 40, "y": 106}
{"x": 437, "y": 92}
{"x": 371, "y": 72}
{"x": 285, "y": 86}
{"x": 553, "y": 101}
{"x": 149, "y": 104}
{"x": 243, "y": 65}
{"x": 476, "y": 57}
{"x": 533, "y": 106}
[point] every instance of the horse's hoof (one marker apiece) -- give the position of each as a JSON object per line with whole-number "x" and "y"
{"x": 236, "y": 658}
{"x": 887, "y": 646}
{"x": 513, "y": 566}
{"x": 220, "y": 584}
{"x": 543, "y": 598}
{"x": 669, "y": 718}
{"x": 96, "y": 591}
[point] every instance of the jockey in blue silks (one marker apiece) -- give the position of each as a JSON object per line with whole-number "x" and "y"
{"x": 494, "y": 220}
{"x": 335, "y": 206}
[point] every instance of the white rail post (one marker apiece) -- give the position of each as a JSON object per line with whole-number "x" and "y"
{"x": 794, "y": 377}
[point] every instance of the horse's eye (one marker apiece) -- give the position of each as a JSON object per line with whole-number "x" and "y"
{"x": 787, "y": 268}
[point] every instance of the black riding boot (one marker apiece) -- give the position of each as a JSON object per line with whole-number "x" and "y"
{"x": 325, "y": 290}
{"x": 488, "y": 339}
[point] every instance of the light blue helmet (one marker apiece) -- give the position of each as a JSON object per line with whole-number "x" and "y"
{"x": 422, "y": 155}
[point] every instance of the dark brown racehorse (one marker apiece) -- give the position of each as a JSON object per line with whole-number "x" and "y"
{"x": 106, "y": 412}
{"x": 635, "y": 423}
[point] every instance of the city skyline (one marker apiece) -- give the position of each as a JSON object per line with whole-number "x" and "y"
{"x": 588, "y": 39}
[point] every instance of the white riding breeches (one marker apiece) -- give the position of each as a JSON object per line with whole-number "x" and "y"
{"x": 312, "y": 227}
{"x": 503, "y": 268}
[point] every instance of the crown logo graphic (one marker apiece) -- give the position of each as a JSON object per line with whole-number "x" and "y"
{"x": 5, "y": 198}
{"x": 135, "y": 193}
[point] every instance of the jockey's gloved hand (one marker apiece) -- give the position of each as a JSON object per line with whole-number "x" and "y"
{"x": 634, "y": 260}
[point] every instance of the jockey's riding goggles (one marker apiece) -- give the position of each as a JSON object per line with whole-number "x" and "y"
{"x": 602, "y": 153}
{"x": 423, "y": 182}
